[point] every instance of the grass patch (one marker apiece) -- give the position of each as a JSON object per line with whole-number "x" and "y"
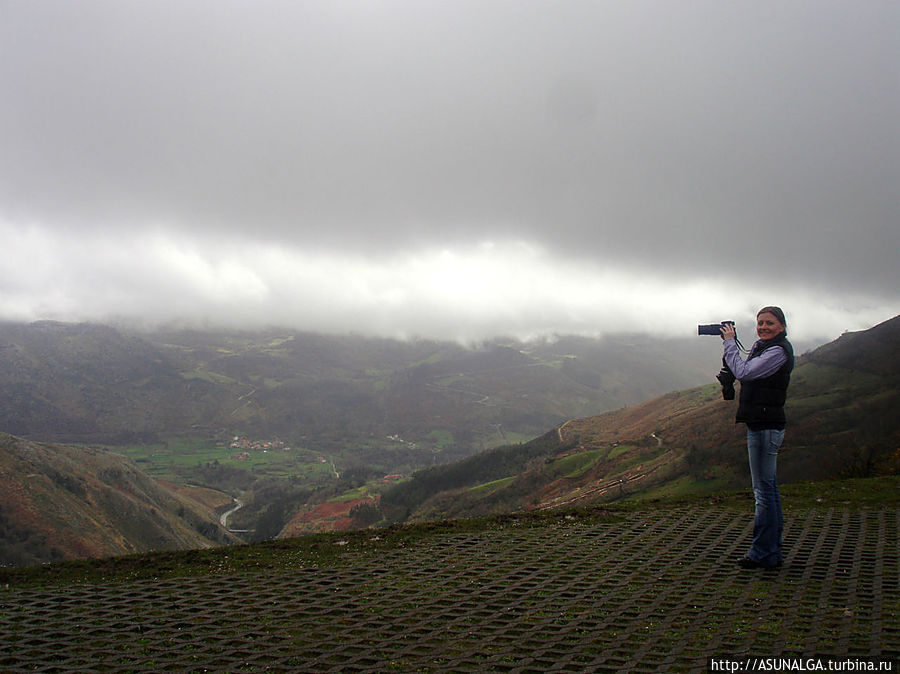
{"x": 640, "y": 456}
{"x": 576, "y": 464}
{"x": 441, "y": 438}
{"x": 179, "y": 458}
{"x": 618, "y": 450}
{"x": 863, "y": 492}
{"x": 872, "y": 492}
{"x": 208, "y": 375}
{"x": 492, "y": 486}
{"x": 685, "y": 486}
{"x": 360, "y": 492}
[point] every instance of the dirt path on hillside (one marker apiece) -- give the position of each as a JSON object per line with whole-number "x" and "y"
{"x": 559, "y": 431}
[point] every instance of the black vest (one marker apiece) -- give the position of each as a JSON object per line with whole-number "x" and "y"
{"x": 762, "y": 400}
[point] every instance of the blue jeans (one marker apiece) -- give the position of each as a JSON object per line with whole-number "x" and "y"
{"x": 768, "y": 523}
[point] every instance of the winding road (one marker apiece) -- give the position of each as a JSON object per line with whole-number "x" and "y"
{"x": 223, "y": 519}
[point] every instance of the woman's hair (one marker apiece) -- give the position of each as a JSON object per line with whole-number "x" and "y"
{"x": 777, "y": 313}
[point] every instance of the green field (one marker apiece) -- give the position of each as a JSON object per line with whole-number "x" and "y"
{"x": 177, "y": 459}
{"x": 575, "y": 464}
{"x": 492, "y": 486}
{"x": 686, "y": 487}
{"x": 184, "y": 459}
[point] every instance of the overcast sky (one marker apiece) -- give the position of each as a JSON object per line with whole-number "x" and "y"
{"x": 451, "y": 168}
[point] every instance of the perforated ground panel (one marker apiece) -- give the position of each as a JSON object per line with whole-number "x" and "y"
{"x": 655, "y": 591}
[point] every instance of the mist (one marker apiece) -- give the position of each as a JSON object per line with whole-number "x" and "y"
{"x": 453, "y": 170}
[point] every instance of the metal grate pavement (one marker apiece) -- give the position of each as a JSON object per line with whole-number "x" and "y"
{"x": 656, "y": 591}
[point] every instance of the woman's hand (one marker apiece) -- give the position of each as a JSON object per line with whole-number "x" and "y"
{"x": 728, "y": 331}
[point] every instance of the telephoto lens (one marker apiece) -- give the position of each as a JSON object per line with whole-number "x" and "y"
{"x": 712, "y": 328}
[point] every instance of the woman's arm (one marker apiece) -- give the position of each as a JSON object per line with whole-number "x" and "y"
{"x": 763, "y": 365}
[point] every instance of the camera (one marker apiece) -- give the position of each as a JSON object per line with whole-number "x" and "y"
{"x": 713, "y": 328}
{"x": 726, "y": 379}
{"x": 726, "y": 376}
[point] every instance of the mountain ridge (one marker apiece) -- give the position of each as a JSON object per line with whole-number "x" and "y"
{"x": 64, "y": 502}
{"x": 62, "y": 382}
{"x": 843, "y": 420}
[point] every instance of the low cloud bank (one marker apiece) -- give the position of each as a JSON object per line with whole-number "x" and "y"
{"x": 510, "y": 288}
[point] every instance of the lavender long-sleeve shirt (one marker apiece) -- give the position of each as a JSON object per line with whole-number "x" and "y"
{"x": 767, "y": 363}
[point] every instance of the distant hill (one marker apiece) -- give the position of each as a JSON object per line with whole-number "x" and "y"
{"x": 374, "y": 407}
{"x": 63, "y": 502}
{"x": 843, "y": 421}
{"x": 89, "y": 383}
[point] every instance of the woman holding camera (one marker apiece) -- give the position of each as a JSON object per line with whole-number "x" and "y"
{"x": 764, "y": 378}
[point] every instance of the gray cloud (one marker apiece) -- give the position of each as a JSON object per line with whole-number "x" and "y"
{"x": 748, "y": 141}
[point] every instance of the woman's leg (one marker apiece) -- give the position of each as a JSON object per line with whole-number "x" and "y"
{"x": 762, "y": 448}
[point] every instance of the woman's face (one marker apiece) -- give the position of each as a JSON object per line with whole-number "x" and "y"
{"x": 767, "y": 326}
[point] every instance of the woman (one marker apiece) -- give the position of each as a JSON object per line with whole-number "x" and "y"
{"x": 764, "y": 378}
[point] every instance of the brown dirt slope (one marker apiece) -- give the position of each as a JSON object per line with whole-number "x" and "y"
{"x": 67, "y": 502}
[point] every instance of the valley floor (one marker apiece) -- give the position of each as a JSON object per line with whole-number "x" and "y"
{"x": 646, "y": 590}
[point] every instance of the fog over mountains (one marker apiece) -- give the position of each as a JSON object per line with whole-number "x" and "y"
{"x": 88, "y": 382}
{"x": 455, "y": 170}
